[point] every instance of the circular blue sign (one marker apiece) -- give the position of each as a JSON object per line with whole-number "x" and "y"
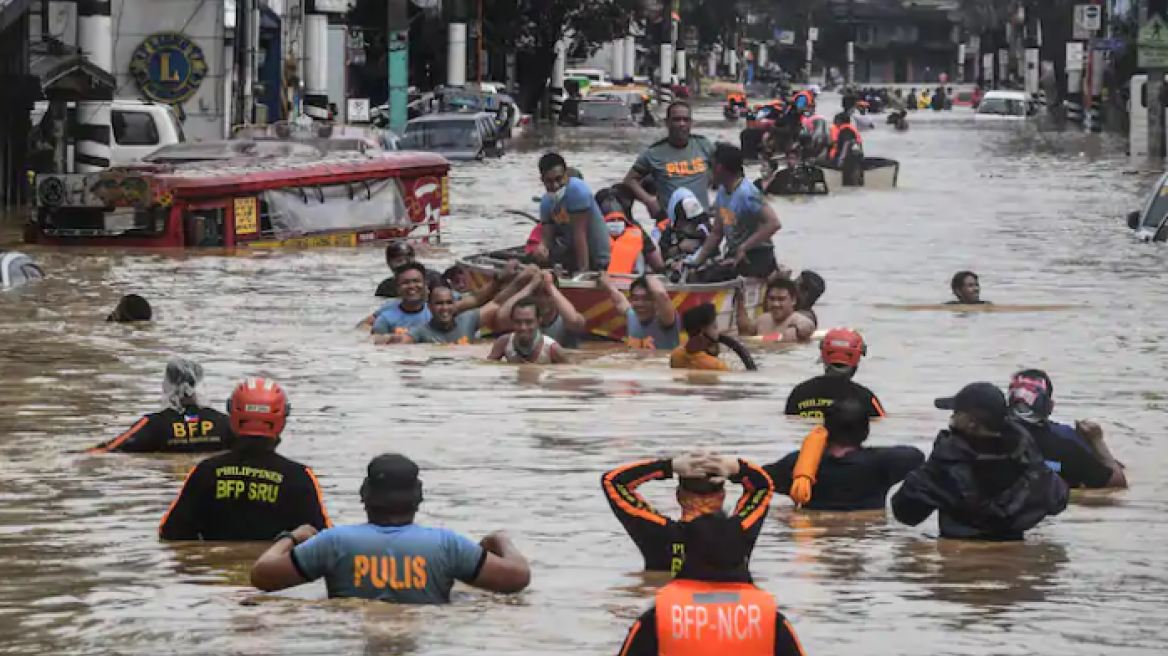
{"x": 168, "y": 67}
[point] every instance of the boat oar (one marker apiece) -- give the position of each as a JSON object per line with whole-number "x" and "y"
{"x": 527, "y": 215}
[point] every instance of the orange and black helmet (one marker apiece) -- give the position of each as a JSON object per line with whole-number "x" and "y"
{"x": 258, "y": 408}
{"x": 842, "y": 347}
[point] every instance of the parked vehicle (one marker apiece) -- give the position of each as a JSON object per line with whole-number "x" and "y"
{"x": 457, "y": 136}
{"x": 139, "y": 128}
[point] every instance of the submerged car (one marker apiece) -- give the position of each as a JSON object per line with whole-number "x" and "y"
{"x": 1151, "y": 223}
{"x": 457, "y": 136}
{"x": 17, "y": 269}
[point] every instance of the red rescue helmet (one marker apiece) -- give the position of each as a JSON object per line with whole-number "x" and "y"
{"x": 841, "y": 346}
{"x": 258, "y": 408}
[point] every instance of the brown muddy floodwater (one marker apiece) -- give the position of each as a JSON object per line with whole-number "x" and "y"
{"x": 82, "y": 571}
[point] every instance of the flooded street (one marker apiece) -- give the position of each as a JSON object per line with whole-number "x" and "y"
{"x": 523, "y": 449}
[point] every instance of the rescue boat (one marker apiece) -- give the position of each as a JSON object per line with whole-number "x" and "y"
{"x": 595, "y": 304}
{"x": 873, "y": 173}
{"x": 246, "y": 193}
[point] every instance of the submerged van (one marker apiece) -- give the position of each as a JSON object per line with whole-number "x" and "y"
{"x": 1005, "y": 105}
{"x": 139, "y": 128}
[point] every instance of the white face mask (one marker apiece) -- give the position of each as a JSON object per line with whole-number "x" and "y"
{"x": 558, "y": 194}
{"x": 615, "y": 229}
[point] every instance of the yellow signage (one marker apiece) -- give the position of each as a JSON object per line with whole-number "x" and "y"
{"x": 246, "y": 216}
{"x": 322, "y": 241}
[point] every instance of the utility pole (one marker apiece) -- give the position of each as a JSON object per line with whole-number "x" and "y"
{"x": 851, "y": 42}
{"x": 398, "y": 62}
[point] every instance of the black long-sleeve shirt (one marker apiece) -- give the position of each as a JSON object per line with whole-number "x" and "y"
{"x": 660, "y": 538}
{"x": 194, "y": 430}
{"x": 245, "y": 496}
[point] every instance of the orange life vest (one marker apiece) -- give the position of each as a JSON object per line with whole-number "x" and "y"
{"x": 625, "y": 251}
{"x": 697, "y": 618}
{"x": 835, "y": 134}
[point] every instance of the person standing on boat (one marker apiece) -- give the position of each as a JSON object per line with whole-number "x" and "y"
{"x": 558, "y": 318}
{"x": 1078, "y": 453}
{"x": 526, "y": 344}
{"x": 183, "y": 426}
{"x": 780, "y": 322}
{"x": 252, "y": 492}
{"x": 568, "y": 213}
{"x": 966, "y": 287}
{"x": 841, "y": 350}
{"x": 743, "y": 218}
{"x": 679, "y": 160}
{"x": 650, "y": 318}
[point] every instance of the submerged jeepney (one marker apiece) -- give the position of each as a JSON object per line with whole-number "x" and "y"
{"x": 244, "y": 193}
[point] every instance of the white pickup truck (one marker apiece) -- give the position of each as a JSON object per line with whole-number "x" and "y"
{"x": 139, "y": 128}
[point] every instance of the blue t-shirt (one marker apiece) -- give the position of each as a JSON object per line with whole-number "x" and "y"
{"x": 652, "y": 335}
{"x": 391, "y": 318}
{"x": 401, "y": 564}
{"x": 740, "y": 212}
{"x": 578, "y": 198}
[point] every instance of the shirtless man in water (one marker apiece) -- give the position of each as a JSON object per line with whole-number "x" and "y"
{"x": 782, "y": 295}
{"x": 527, "y": 344}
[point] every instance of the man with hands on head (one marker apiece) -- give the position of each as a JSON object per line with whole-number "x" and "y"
{"x": 391, "y": 558}
{"x": 700, "y": 491}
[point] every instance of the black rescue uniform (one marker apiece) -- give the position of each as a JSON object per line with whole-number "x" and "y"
{"x": 660, "y": 538}
{"x": 858, "y": 480}
{"x": 810, "y": 397}
{"x": 194, "y": 430}
{"x": 245, "y": 496}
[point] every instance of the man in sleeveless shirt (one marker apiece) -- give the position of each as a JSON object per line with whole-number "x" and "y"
{"x": 526, "y": 344}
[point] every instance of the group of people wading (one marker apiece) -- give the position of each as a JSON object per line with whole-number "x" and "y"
{"x": 704, "y": 241}
{"x": 997, "y": 470}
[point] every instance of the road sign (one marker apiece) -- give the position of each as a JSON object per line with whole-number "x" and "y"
{"x": 358, "y": 110}
{"x": 1074, "y": 56}
{"x": 1153, "y": 44}
{"x": 1107, "y": 45}
{"x": 813, "y": 34}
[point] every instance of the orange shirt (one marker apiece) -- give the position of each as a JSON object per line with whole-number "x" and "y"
{"x": 683, "y": 359}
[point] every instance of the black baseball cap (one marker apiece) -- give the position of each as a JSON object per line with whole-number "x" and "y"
{"x": 982, "y": 401}
{"x": 391, "y": 478}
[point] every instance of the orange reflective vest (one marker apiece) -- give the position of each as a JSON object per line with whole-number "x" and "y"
{"x": 626, "y": 251}
{"x": 697, "y": 618}
{"x": 835, "y": 134}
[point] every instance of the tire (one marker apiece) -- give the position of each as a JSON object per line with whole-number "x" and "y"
{"x": 739, "y": 350}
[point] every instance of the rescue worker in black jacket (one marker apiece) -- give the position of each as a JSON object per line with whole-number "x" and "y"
{"x": 251, "y": 493}
{"x": 985, "y": 478}
{"x": 183, "y": 426}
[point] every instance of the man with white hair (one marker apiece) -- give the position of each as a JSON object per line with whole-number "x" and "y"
{"x": 182, "y": 426}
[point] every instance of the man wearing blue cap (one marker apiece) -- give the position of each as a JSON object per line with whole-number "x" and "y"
{"x": 985, "y": 478}
{"x": 391, "y": 558}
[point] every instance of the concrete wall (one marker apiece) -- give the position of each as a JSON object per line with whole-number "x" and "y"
{"x": 134, "y": 20}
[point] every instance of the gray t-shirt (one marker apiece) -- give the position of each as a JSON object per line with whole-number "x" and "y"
{"x": 673, "y": 168}
{"x": 401, "y": 564}
{"x": 741, "y": 215}
{"x": 556, "y": 215}
{"x": 466, "y": 325}
{"x": 559, "y": 332}
{"x": 652, "y": 335}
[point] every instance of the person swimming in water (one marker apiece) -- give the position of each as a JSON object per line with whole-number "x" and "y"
{"x": 527, "y": 344}
{"x": 132, "y": 308}
{"x": 967, "y": 288}
{"x": 781, "y": 318}
{"x": 701, "y": 348}
{"x": 701, "y": 490}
